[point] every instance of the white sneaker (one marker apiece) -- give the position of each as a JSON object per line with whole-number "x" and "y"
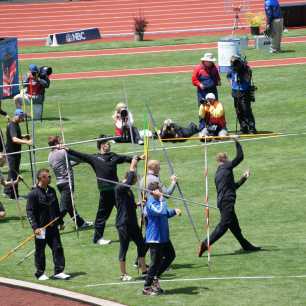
{"x": 43, "y": 277}
{"x": 86, "y": 224}
{"x": 62, "y": 275}
{"x": 126, "y": 278}
{"x": 102, "y": 241}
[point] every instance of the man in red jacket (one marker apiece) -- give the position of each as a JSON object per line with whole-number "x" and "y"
{"x": 206, "y": 77}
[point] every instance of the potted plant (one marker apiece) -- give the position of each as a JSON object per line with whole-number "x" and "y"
{"x": 140, "y": 25}
{"x": 255, "y": 20}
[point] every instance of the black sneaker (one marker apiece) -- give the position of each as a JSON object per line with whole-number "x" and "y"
{"x": 144, "y": 274}
{"x": 252, "y": 248}
{"x": 202, "y": 248}
{"x": 149, "y": 291}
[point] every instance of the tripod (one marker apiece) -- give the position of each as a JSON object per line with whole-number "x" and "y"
{"x": 236, "y": 21}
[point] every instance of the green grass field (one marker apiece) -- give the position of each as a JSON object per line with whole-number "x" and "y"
{"x": 270, "y": 206}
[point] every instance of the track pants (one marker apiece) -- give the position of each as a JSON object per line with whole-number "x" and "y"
{"x": 244, "y": 113}
{"x": 66, "y": 203}
{"x": 53, "y": 240}
{"x": 14, "y": 165}
{"x": 162, "y": 255}
{"x": 106, "y": 203}
{"x": 229, "y": 221}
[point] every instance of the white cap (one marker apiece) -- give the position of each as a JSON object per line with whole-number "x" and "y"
{"x": 210, "y": 96}
{"x": 208, "y": 57}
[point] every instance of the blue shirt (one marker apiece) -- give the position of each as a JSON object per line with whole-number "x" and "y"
{"x": 239, "y": 83}
{"x": 273, "y": 10}
{"x": 158, "y": 213}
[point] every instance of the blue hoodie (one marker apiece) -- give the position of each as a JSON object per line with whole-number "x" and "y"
{"x": 273, "y": 10}
{"x": 157, "y": 212}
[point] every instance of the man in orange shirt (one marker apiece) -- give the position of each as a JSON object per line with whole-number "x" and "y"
{"x": 212, "y": 117}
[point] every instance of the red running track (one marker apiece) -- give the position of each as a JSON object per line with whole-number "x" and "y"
{"x": 168, "y": 70}
{"x": 138, "y": 50}
{"x": 37, "y": 20}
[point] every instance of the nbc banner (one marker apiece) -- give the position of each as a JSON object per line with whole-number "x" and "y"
{"x": 8, "y": 68}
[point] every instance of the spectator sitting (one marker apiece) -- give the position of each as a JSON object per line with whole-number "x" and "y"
{"x": 212, "y": 117}
{"x": 123, "y": 120}
{"x": 171, "y": 130}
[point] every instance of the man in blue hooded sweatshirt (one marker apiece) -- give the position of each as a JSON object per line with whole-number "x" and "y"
{"x": 157, "y": 237}
{"x": 274, "y": 24}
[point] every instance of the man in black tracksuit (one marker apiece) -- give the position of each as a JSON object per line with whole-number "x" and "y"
{"x": 42, "y": 208}
{"x": 14, "y": 140}
{"x": 226, "y": 197}
{"x": 126, "y": 221}
{"x": 105, "y": 166}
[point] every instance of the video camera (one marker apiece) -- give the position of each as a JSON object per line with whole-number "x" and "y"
{"x": 203, "y": 101}
{"x": 124, "y": 114}
{"x": 45, "y": 72}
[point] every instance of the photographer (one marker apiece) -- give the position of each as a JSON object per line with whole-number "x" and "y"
{"x": 123, "y": 120}
{"x": 243, "y": 92}
{"x": 171, "y": 130}
{"x": 212, "y": 117}
{"x": 36, "y": 81}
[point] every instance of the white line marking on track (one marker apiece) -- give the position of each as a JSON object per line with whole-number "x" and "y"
{"x": 260, "y": 277}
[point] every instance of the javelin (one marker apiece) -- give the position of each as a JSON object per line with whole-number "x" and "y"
{"x": 25, "y": 241}
{"x": 129, "y": 114}
{"x": 252, "y": 138}
{"x": 32, "y": 252}
{"x": 149, "y": 191}
{"x": 207, "y": 204}
{"x": 12, "y": 85}
{"x": 68, "y": 170}
{"x": 65, "y": 144}
{"x": 171, "y": 170}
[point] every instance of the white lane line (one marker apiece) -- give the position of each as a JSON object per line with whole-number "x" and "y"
{"x": 259, "y": 277}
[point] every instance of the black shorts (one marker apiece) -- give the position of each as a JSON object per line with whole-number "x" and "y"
{"x": 129, "y": 233}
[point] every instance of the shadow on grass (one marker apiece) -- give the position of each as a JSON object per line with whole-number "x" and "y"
{"x": 55, "y": 119}
{"x": 192, "y": 290}
{"x": 243, "y": 252}
{"x": 11, "y": 218}
{"x": 287, "y": 51}
{"x": 183, "y": 266}
{"x": 76, "y": 274}
{"x": 72, "y": 275}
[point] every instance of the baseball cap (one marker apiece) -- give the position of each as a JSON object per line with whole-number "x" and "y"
{"x": 210, "y": 96}
{"x": 33, "y": 68}
{"x": 19, "y": 112}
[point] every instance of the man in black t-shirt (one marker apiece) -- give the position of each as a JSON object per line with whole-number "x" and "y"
{"x": 126, "y": 221}
{"x": 104, "y": 164}
{"x": 14, "y": 140}
{"x": 226, "y": 198}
